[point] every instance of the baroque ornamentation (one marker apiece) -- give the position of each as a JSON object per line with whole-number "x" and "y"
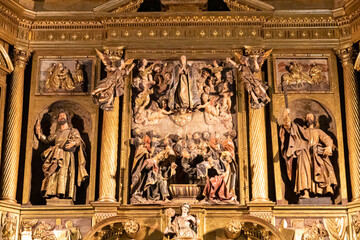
{"x": 8, "y": 224}
{"x": 315, "y": 231}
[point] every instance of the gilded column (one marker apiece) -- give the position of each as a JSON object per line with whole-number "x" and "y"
{"x": 258, "y": 156}
{"x": 257, "y": 147}
{"x": 352, "y": 114}
{"x": 109, "y": 153}
{"x": 109, "y": 145}
{"x": 12, "y": 137}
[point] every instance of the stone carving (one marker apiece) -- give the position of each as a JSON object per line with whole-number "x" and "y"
{"x": 66, "y": 76}
{"x": 302, "y": 74}
{"x": 131, "y": 228}
{"x": 356, "y": 226}
{"x": 44, "y": 231}
{"x": 59, "y": 77}
{"x": 233, "y": 229}
{"x": 249, "y": 66}
{"x": 8, "y": 227}
{"x": 59, "y": 160}
{"x": 315, "y": 232}
{"x": 311, "y": 148}
{"x": 183, "y": 226}
{"x": 113, "y": 85}
{"x": 198, "y": 158}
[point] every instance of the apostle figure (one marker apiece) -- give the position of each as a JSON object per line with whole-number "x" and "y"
{"x": 59, "y": 160}
{"x": 311, "y": 148}
{"x": 183, "y": 90}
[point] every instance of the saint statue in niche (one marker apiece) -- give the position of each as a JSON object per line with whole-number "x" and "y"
{"x": 311, "y": 148}
{"x": 59, "y": 160}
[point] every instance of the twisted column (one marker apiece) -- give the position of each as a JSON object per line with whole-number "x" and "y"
{"x": 352, "y": 113}
{"x": 11, "y": 154}
{"x": 109, "y": 153}
{"x": 258, "y": 156}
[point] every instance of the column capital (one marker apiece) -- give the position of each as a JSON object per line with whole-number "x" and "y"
{"x": 21, "y": 56}
{"x": 345, "y": 54}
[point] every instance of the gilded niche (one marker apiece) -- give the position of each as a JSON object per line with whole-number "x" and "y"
{"x": 183, "y": 132}
{"x": 308, "y": 151}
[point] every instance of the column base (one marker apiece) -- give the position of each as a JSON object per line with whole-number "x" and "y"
{"x": 9, "y": 201}
{"x": 260, "y": 200}
{"x": 106, "y": 199}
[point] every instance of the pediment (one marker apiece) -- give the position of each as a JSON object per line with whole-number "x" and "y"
{"x": 248, "y": 5}
{"x": 119, "y": 6}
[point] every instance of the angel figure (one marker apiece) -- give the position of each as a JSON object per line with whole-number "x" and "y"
{"x": 209, "y": 105}
{"x": 216, "y": 70}
{"x": 113, "y": 85}
{"x": 145, "y": 78}
{"x": 249, "y": 66}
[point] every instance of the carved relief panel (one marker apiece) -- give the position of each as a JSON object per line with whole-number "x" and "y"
{"x": 65, "y": 76}
{"x": 183, "y": 132}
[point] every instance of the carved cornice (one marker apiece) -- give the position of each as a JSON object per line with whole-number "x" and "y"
{"x": 104, "y": 25}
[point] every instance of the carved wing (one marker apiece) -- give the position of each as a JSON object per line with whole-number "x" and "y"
{"x": 105, "y": 59}
{"x": 238, "y": 55}
{"x": 357, "y": 63}
{"x": 129, "y": 61}
{"x": 263, "y": 57}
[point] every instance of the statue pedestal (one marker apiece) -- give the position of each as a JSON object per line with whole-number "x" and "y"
{"x": 59, "y": 202}
{"x": 315, "y": 201}
{"x": 185, "y": 193}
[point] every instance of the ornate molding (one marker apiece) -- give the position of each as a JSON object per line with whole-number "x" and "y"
{"x": 132, "y": 6}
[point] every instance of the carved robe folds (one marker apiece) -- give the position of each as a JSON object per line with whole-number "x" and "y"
{"x": 59, "y": 164}
{"x": 314, "y": 171}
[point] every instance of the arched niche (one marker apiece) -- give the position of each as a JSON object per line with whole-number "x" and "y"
{"x": 299, "y": 108}
{"x": 114, "y": 228}
{"x": 80, "y": 119}
{"x": 246, "y": 227}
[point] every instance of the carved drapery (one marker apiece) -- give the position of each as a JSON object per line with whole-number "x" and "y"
{"x": 11, "y": 154}
{"x": 352, "y": 112}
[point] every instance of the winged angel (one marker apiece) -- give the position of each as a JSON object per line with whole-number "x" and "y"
{"x": 113, "y": 85}
{"x": 249, "y": 66}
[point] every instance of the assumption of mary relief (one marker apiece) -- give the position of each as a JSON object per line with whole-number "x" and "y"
{"x": 183, "y": 132}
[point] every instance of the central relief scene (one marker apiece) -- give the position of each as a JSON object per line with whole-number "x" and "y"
{"x": 183, "y": 132}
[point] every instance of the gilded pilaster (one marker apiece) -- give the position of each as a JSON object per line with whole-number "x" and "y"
{"x": 11, "y": 154}
{"x": 352, "y": 112}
